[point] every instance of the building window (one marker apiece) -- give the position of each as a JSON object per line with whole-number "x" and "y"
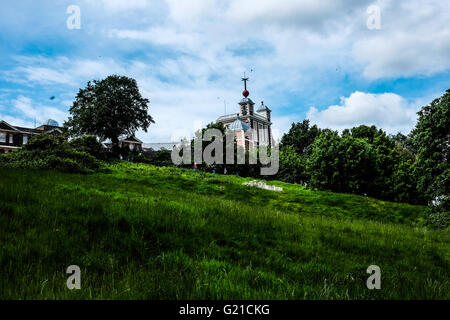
{"x": 25, "y": 139}
{"x": 11, "y": 139}
{"x": 131, "y": 146}
{"x": 3, "y": 137}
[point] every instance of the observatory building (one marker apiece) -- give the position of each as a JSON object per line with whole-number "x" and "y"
{"x": 252, "y": 128}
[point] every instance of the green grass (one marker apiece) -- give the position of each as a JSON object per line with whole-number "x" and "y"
{"x": 144, "y": 232}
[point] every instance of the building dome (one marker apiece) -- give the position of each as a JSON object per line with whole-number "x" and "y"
{"x": 238, "y": 125}
{"x": 51, "y": 122}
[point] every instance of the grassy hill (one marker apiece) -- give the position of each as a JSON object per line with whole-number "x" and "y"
{"x": 143, "y": 232}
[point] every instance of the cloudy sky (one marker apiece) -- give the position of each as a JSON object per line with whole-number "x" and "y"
{"x": 325, "y": 60}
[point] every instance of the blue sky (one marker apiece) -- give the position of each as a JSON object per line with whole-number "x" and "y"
{"x": 310, "y": 59}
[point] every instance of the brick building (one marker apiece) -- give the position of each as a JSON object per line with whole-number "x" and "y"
{"x": 14, "y": 137}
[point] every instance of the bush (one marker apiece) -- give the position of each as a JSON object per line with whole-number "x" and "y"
{"x": 49, "y": 151}
{"x": 439, "y": 220}
{"x": 46, "y": 141}
{"x": 160, "y": 158}
{"x": 89, "y": 144}
{"x": 62, "y": 164}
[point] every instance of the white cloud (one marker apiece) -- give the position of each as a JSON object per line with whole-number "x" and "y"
{"x": 190, "y": 13}
{"x": 404, "y": 55}
{"x": 60, "y": 70}
{"x": 15, "y": 121}
{"x": 162, "y": 36}
{"x": 388, "y": 111}
{"x": 306, "y": 13}
{"x": 177, "y": 109}
{"x": 124, "y": 5}
{"x": 34, "y": 111}
{"x": 281, "y": 125}
{"x": 413, "y": 40}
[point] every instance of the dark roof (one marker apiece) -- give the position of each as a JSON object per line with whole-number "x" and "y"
{"x": 131, "y": 138}
{"x": 28, "y": 130}
{"x": 263, "y": 107}
{"x": 43, "y": 128}
{"x": 6, "y": 126}
{"x": 46, "y": 127}
{"x": 246, "y": 100}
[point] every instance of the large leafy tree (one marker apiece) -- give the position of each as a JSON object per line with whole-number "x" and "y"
{"x": 342, "y": 164}
{"x": 109, "y": 108}
{"x": 431, "y": 138}
{"x": 394, "y": 164}
{"x": 300, "y": 136}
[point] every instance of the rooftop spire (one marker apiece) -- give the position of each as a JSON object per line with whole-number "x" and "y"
{"x": 245, "y": 93}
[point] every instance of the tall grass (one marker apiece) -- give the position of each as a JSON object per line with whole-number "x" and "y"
{"x": 143, "y": 232}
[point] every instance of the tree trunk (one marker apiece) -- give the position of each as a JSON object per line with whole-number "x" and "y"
{"x": 115, "y": 147}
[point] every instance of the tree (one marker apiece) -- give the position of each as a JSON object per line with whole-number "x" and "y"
{"x": 199, "y": 135}
{"x": 394, "y": 164}
{"x": 292, "y": 166}
{"x": 300, "y": 136}
{"x": 342, "y": 164}
{"x": 363, "y": 132}
{"x": 405, "y": 144}
{"x": 109, "y": 108}
{"x": 431, "y": 138}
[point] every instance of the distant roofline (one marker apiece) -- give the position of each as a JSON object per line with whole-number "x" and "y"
{"x": 21, "y": 129}
{"x": 172, "y": 142}
{"x": 232, "y": 117}
{"x": 158, "y": 146}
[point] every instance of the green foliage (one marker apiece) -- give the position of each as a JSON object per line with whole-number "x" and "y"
{"x": 363, "y": 160}
{"x": 50, "y": 151}
{"x": 300, "y": 137}
{"x": 292, "y": 166}
{"x": 438, "y": 220}
{"x": 89, "y": 144}
{"x": 109, "y": 108}
{"x": 342, "y": 164}
{"x": 405, "y": 144}
{"x": 401, "y": 185}
{"x": 46, "y": 142}
{"x": 145, "y": 232}
{"x": 431, "y": 137}
{"x": 157, "y": 158}
{"x": 394, "y": 165}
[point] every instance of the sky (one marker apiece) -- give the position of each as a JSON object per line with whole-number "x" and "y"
{"x": 339, "y": 63}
